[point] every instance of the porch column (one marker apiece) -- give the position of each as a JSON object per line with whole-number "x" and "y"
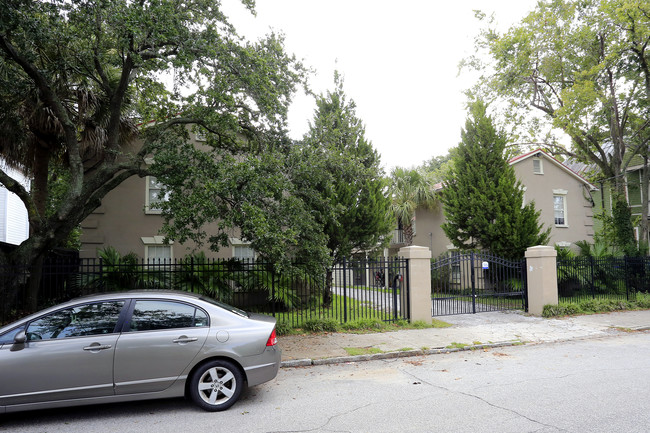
{"x": 541, "y": 271}
{"x": 419, "y": 273}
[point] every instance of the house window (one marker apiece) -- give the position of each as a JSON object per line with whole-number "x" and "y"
{"x": 242, "y": 250}
{"x": 156, "y": 251}
{"x": 538, "y": 167}
{"x": 244, "y": 253}
{"x": 154, "y": 195}
{"x": 560, "y": 208}
{"x": 200, "y": 135}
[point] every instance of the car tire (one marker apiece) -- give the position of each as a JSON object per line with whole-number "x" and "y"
{"x": 216, "y": 385}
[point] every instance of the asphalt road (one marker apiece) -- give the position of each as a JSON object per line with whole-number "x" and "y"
{"x": 590, "y": 385}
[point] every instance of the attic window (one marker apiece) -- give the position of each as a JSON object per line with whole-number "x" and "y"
{"x": 538, "y": 167}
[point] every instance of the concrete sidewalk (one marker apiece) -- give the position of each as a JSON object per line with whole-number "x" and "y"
{"x": 467, "y": 331}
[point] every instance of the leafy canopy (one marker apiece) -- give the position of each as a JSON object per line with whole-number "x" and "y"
{"x": 580, "y": 66}
{"x": 76, "y": 77}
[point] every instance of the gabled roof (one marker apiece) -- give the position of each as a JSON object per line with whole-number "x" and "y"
{"x": 541, "y": 152}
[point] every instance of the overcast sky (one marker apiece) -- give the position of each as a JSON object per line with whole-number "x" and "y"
{"x": 399, "y": 60}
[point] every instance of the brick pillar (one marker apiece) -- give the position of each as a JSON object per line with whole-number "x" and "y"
{"x": 420, "y": 282}
{"x": 541, "y": 271}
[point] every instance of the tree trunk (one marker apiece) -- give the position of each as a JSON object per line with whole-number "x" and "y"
{"x": 327, "y": 291}
{"x": 645, "y": 202}
{"x": 40, "y": 194}
{"x": 408, "y": 235}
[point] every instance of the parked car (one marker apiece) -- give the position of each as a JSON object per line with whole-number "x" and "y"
{"x": 135, "y": 346}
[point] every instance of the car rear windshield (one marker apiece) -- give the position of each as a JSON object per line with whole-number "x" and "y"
{"x": 226, "y": 307}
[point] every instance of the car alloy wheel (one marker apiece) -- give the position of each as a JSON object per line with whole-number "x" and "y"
{"x": 216, "y": 385}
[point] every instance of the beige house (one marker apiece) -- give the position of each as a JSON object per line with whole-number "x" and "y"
{"x": 129, "y": 221}
{"x": 563, "y": 197}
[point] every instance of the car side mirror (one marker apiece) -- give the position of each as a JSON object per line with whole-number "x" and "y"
{"x": 20, "y": 338}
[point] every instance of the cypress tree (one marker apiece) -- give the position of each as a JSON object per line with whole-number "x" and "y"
{"x": 482, "y": 198}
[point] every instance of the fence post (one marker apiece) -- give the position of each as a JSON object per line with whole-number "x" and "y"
{"x": 419, "y": 281}
{"x": 542, "y": 278}
{"x": 345, "y": 293}
{"x": 472, "y": 266}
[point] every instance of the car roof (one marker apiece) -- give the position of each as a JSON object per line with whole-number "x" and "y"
{"x": 128, "y": 294}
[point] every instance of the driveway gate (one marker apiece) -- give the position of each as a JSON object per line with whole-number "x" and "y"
{"x": 477, "y": 282}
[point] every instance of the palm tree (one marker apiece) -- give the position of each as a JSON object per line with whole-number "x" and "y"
{"x": 411, "y": 189}
{"x": 32, "y": 139}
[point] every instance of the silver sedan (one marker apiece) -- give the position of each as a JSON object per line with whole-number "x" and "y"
{"x": 135, "y": 346}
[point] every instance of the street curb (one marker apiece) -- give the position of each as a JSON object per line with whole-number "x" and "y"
{"x": 393, "y": 355}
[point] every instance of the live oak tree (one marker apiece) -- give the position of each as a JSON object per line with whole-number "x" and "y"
{"x": 482, "y": 198}
{"x": 349, "y": 197}
{"x": 580, "y": 66}
{"x": 80, "y": 80}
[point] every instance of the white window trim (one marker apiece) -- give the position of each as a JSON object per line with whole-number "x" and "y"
{"x": 236, "y": 242}
{"x": 541, "y": 166}
{"x": 156, "y": 241}
{"x": 147, "y": 205}
{"x": 563, "y": 193}
{"x": 199, "y": 135}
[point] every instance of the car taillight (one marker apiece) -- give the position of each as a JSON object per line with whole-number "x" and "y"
{"x": 273, "y": 339}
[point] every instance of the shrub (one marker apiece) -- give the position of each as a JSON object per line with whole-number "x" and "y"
{"x": 590, "y": 306}
{"x": 643, "y": 300}
{"x": 364, "y": 324}
{"x": 321, "y": 325}
{"x": 283, "y": 328}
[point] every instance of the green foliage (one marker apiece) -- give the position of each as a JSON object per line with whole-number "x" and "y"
{"x": 598, "y": 249}
{"x": 209, "y": 278}
{"x": 440, "y": 275}
{"x": 359, "y": 351}
{"x": 343, "y": 181}
{"x": 591, "y": 306}
{"x": 483, "y": 200}
{"x": 219, "y": 279}
{"x": 120, "y": 272}
{"x": 364, "y": 324}
{"x": 283, "y": 328}
{"x": 321, "y": 325}
{"x": 411, "y": 189}
{"x": 580, "y": 66}
{"x": 623, "y": 229}
{"x": 439, "y": 166}
{"x": 78, "y": 76}
{"x": 355, "y": 326}
{"x": 564, "y": 253}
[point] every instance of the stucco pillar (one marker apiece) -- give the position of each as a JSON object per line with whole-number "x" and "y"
{"x": 541, "y": 271}
{"x": 419, "y": 274}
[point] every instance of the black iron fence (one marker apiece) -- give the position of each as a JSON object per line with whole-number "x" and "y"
{"x": 582, "y": 278}
{"x": 476, "y": 282}
{"x": 351, "y": 290}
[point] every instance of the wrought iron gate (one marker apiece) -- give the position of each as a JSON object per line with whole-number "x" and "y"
{"x": 476, "y": 282}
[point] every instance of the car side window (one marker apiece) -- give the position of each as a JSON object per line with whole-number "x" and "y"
{"x": 81, "y": 320}
{"x": 150, "y": 315}
{"x": 8, "y": 337}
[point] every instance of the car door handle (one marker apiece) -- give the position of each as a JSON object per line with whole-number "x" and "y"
{"x": 97, "y": 347}
{"x": 185, "y": 340}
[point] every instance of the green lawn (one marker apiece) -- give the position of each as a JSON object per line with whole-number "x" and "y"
{"x": 351, "y": 309}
